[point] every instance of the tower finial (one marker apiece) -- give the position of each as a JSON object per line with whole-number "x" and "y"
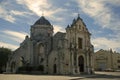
{"x": 78, "y": 14}
{"x": 42, "y": 13}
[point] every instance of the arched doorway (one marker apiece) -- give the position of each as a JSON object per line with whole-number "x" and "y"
{"x": 12, "y": 66}
{"x": 81, "y": 63}
{"x": 55, "y": 68}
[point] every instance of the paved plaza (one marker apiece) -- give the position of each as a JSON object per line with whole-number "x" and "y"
{"x": 96, "y": 76}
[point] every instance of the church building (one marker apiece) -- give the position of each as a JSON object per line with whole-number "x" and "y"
{"x": 61, "y": 53}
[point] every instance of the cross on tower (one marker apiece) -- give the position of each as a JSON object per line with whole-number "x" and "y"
{"x": 42, "y": 13}
{"x": 78, "y": 15}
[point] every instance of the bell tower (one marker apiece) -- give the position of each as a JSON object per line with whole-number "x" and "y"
{"x": 80, "y": 46}
{"x": 42, "y": 40}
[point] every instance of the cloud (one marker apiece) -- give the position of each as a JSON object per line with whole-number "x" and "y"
{"x": 58, "y": 29}
{"x": 17, "y": 12}
{"x": 37, "y": 6}
{"x": 14, "y": 35}
{"x": 28, "y": 8}
{"x": 7, "y": 45}
{"x": 104, "y": 43}
{"x": 20, "y": 13}
{"x": 9, "y": 11}
{"x": 5, "y": 15}
{"x": 42, "y": 7}
{"x": 100, "y": 12}
{"x": 113, "y": 2}
{"x": 9, "y": 18}
{"x": 104, "y": 16}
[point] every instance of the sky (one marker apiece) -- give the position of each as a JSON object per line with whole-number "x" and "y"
{"x": 102, "y": 18}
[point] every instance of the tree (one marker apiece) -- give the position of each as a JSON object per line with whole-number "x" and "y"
{"x": 4, "y": 53}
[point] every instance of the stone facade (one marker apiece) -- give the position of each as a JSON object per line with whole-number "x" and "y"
{"x": 106, "y": 60}
{"x": 61, "y": 53}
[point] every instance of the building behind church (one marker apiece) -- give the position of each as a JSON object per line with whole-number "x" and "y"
{"x": 61, "y": 53}
{"x": 106, "y": 60}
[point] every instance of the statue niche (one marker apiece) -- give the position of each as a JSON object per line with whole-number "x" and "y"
{"x": 41, "y": 53}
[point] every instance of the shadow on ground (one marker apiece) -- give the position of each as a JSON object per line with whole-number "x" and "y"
{"x": 98, "y": 76}
{"x": 83, "y": 76}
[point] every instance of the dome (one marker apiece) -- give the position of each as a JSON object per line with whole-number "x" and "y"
{"x": 42, "y": 21}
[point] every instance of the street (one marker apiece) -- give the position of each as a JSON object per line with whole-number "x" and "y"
{"x": 96, "y": 76}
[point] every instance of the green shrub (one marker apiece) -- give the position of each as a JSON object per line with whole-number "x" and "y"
{"x": 30, "y": 68}
{"x": 40, "y": 68}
